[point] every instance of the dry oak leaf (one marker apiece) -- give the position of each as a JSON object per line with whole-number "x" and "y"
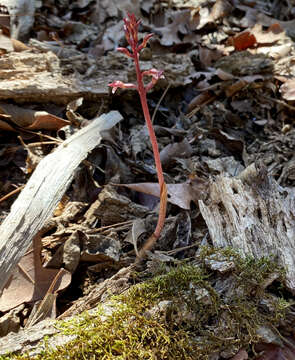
{"x": 271, "y": 35}
{"x": 180, "y": 24}
{"x": 178, "y": 194}
{"x": 30, "y": 280}
{"x": 13, "y": 117}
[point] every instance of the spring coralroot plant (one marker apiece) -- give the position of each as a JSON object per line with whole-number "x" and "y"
{"x": 131, "y": 34}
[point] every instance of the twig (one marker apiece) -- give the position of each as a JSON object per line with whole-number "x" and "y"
{"x": 15, "y": 191}
{"x": 159, "y": 102}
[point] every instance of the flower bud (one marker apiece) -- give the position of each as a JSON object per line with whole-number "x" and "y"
{"x": 119, "y": 84}
{"x": 125, "y": 51}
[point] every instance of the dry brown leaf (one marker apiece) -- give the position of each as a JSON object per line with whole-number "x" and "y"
{"x": 204, "y": 17}
{"x": 74, "y": 118}
{"x": 204, "y": 98}
{"x": 232, "y": 143}
{"x": 42, "y": 310}
{"x": 10, "y": 44}
{"x": 112, "y": 36}
{"x": 43, "y": 120}
{"x": 221, "y": 9}
{"x": 178, "y": 194}
{"x": 180, "y": 23}
{"x": 241, "y": 84}
{"x": 236, "y": 87}
{"x": 265, "y": 20}
{"x": 19, "y": 45}
{"x": 182, "y": 149}
{"x": 257, "y": 36}
{"x": 275, "y": 352}
{"x": 138, "y": 228}
{"x": 288, "y": 90}
{"x": 30, "y": 281}
{"x": 183, "y": 230}
{"x": 108, "y": 9}
{"x": 223, "y": 75}
{"x": 208, "y": 56}
{"x": 29, "y": 119}
{"x": 4, "y": 124}
{"x": 241, "y": 355}
{"x": 274, "y": 33}
{"x": 98, "y": 248}
{"x": 244, "y": 40}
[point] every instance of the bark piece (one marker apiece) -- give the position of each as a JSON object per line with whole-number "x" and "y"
{"x": 111, "y": 208}
{"x": 43, "y": 192}
{"x": 255, "y": 216}
{"x": 30, "y": 76}
{"x": 100, "y": 248}
{"x": 38, "y": 77}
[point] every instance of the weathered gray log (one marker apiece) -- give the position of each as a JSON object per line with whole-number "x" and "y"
{"x": 254, "y": 215}
{"x": 44, "y": 190}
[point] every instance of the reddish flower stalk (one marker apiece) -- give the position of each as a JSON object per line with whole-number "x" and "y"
{"x": 131, "y": 34}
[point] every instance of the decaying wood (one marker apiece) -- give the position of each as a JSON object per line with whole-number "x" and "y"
{"x": 43, "y": 192}
{"x": 254, "y": 215}
{"x": 34, "y": 76}
{"x": 117, "y": 284}
{"x": 31, "y": 76}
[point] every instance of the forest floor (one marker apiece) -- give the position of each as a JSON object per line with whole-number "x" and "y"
{"x": 226, "y": 102}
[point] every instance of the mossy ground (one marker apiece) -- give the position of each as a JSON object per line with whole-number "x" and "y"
{"x": 188, "y": 328}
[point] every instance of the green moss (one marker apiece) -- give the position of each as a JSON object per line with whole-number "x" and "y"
{"x": 194, "y": 322}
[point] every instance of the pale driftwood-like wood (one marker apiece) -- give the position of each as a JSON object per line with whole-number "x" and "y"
{"x": 44, "y": 190}
{"x": 21, "y": 16}
{"x": 254, "y": 215}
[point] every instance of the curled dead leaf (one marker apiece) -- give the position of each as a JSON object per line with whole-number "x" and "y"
{"x": 241, "y": 355}
{"x": 181, "y": 149}
{"x": 288, "y": 90}
{"x": 138, "y": 228}
{"x": 276, "y": 352}
{"x": 203, "y": 98}
{"x": 221, "y": 9}
{"x": 274, "y": 33}
{"x": 178, "y": 194}
{"x": 13, "y": 117}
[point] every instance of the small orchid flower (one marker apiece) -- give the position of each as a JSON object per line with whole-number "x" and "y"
{"x": 155, "y": 74}
{"x": 119, "y": 84}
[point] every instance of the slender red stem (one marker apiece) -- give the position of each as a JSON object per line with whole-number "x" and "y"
{"x": 147, "y": 116}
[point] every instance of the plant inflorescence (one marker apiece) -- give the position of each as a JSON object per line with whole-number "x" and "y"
{"x": 131, "y": 25}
